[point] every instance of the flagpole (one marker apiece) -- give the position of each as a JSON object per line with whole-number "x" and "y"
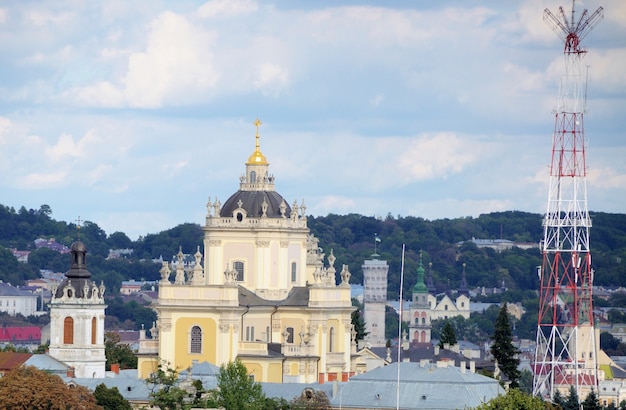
{"x": 400, "y": 331}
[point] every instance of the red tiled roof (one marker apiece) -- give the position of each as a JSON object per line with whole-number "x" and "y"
{"x": 11, "y": 360}
{"x": 20, "y": 334}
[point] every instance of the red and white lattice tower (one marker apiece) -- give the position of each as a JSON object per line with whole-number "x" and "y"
{"x": 566, "y": 342}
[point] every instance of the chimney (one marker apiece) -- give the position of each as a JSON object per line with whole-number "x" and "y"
{"x": 115, "y": 368}
{"x": 70, "y": 372}
{"x": 436, "y": 350}
{"x": 472, "y": 366}
{"x": 462, "y": 366}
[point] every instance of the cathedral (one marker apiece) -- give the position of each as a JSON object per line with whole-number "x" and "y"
{"x": 263, "y": 292}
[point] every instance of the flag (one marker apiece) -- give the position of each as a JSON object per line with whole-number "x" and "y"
{"x": 377, "y": 239}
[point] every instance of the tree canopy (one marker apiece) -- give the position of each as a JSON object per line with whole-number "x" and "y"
{"x": 236, "y": 390}
{"x": 27, "y": 387}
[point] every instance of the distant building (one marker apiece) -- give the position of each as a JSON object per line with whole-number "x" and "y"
{"x": 16, "y": 301}
{"x": 374, "y": 299}
{"x": 20, "y": 336}
{"x": 500, "y": 245}
{"x": 51, "y": 244}
{"x": 21, "y": 256}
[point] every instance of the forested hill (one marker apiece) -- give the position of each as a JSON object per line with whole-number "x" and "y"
{"x": 350, "y": 237}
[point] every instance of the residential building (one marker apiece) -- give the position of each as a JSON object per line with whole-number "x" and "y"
{"x": 16, "y": 301}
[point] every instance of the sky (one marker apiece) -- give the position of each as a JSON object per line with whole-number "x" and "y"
{"x": 132, "y": 114}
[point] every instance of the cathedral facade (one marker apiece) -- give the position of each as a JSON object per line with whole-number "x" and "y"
{"x": 263, "y": 292}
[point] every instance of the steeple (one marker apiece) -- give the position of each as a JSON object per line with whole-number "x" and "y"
{"x": 463, "y": 288}
{"x": 420, "y": 286}
{"x": 257, "y": 177}
{"x": 430, "y": 283}
{"x": 257, "y": 157}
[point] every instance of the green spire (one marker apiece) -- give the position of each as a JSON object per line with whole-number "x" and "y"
{"x": 420, "y": 286}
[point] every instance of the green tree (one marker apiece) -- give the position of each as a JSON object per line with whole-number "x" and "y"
{"x": 503, "y": 349}
{"x": 591, "y": 402}
{"x": 164, "y": 390}
{"x": 572, "y": 402}
{"x": 117, "y": 353}
{"x": 311, "y": 399}
{"x": 514, "y": 399}
{"x": 110, "y": 399}
{"x": 448, "y": 335}
{"x": 236, "y": 389}
{"x": 359, "y": 325}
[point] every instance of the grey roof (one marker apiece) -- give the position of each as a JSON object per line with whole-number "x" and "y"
{"x": 427, "y": 387}
{"x": 8, "y": 290}
{"x": 289, "y": 391}
{"x": 252, "y": 202}
{"x": 47, "y": 363}
{"x": 131, "y": 388}
{"x": 298, "y": 296}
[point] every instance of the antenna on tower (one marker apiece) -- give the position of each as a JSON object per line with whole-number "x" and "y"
{"x": 572, "y": 32}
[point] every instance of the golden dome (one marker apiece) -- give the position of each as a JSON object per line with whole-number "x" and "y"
{"x": 257, "y": 157}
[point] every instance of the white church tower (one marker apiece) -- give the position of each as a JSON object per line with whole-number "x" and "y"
{"x": 77, "y": 319}
{"x": 374, "y": 300}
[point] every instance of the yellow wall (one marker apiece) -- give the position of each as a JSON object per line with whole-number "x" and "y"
{"x": 145, "y": 366}
{"x": 182, "y": 329}
{"x": 275, "y": 373}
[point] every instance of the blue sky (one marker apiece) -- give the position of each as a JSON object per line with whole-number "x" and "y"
{"x": 132, "y": 114}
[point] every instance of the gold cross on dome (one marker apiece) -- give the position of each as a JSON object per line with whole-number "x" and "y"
{"x": 257, "y": 123}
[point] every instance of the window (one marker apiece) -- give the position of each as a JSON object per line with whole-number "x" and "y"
{"x": 289, "y": 335}
{"x": 93, "y": 330}
{"x": 249, "y": 333}
{"x": 238, "y": 266}
{"x": 294, "y": 271}
{"x": 68, "y": 331}
{"x": 446, "y": 307}
{"x": 423, "y": 320}
{"x": 331, "y": 340}
{"x": 252, "y": 177}
{"x": 195, "y": 345}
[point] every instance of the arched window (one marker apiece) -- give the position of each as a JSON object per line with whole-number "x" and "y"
{"x": 423, "y": 337}
{"x": 289, "y": 335}
{"x": 239, "y": 267}
{"x": 252, "y": 177}
{"x": 423, "y": 320}
{"x": 195, "y": 344}
{"x": 94, "y": 330}
{"x": 331, "y": 340}
{"x": 68, "y": 331}
{"x": 446, "y": 307}
{"x": 294, "y": 271}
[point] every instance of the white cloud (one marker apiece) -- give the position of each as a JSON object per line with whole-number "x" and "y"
{"x": 41, "y": 18}
{"x": 606, "y": 178}
{"x": 65, "y": 147}
{"x": 226, "y": 8}
{"x": 438, "y": 156}
{"x": 40, "y": 180}
{"x": 271, "y": 78}
{"x": 176, "y": 65}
